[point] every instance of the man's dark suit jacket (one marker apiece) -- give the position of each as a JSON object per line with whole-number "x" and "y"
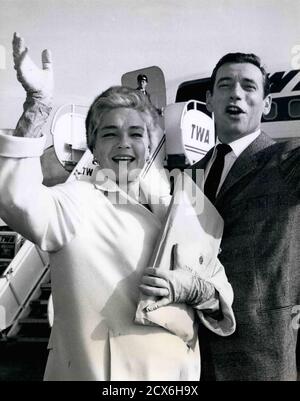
{"x": 260, "y": 250}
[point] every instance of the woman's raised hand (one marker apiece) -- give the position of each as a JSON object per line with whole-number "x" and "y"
{"x": 36, "y": 81}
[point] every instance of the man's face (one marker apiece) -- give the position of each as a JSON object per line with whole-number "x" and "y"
{"x": 238, "y": 100}
{"x": 143, "y": 84}
{"x": 122, "y": 143}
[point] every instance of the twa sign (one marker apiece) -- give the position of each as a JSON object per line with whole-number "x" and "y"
{"x": 198, "y": 134}
{"x": 189, "y": 131}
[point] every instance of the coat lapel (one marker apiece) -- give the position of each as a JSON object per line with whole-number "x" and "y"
{"x": 201, "y": 164}
{"x": 248, "y": 161}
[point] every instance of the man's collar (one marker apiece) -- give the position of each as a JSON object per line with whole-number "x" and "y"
{"x": 239, "y": 145}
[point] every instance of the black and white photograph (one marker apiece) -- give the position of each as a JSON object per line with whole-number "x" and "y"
{"x": 149, "y": 193}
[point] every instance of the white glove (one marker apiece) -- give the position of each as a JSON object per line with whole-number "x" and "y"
{"x": 36, "y": 81}
{"x": 180, "y": 285}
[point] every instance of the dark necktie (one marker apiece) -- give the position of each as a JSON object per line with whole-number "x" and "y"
{"x": 214, "y": 176}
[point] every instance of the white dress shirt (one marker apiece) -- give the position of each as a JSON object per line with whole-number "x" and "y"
{"x": 237, "y": 146}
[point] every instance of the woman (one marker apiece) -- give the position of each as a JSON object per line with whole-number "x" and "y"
{"x": 100, "y": 236}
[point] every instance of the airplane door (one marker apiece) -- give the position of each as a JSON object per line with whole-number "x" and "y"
{"x": 155, "y": 85}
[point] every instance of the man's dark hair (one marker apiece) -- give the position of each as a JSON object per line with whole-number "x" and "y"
{"x": 142, "y": 77}
{"x": 234, "y": 58}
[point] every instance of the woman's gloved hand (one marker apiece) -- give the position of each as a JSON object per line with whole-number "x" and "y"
{"x": 179, "y": 285}
{"x": 36, "y": 81}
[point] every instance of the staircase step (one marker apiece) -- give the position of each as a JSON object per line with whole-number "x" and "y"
{"x": 29, "y": 320}
{"x": 34, "y": 328}
{"x": 25, "y": 339}
{"x": 39, "y": 302}
{"x": 38, "y": 309}
{"x": 45, "y": 286}
{"x": 38, "y": 315}
{"x": 46, "y": 291}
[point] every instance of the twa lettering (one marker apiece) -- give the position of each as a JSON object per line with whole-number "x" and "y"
{"x": 201, "y": 134}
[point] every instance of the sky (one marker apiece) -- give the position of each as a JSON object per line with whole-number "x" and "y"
{"x": 95, "y": 41}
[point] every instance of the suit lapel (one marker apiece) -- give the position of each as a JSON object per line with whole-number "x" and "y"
{"x": 248, "y": 161}
{"x": 201, "y": 164}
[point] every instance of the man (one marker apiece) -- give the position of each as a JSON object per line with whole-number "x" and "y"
{"x": 258, "y": 197}
{"x": 142, "y": 81}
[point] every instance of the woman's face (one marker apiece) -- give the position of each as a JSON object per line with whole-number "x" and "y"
{"x": 122, "y": 144}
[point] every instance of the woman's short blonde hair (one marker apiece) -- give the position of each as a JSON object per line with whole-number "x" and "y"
{"x": 122, "y": 96}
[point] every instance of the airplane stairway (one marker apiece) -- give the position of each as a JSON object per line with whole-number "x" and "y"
{"x": 24, "y": 293}
{"x": 33, "y": 325}
{"x": 24, "y": 327}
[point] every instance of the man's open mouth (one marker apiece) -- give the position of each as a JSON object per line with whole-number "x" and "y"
{"x": 123, "y": 158}
{"x": 234, "y": 110}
